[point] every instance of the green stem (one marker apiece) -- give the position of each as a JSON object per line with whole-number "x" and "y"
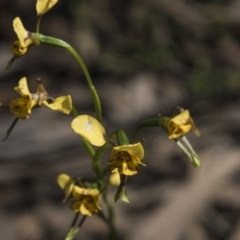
{"x": 74, "y": 220}
{"x": 47, "y": 40}
{"x": 38, "y": 23}
{"x": 72, "y": 232}
{"x": 111, "y": 217}
{"x": 98, "y": 154}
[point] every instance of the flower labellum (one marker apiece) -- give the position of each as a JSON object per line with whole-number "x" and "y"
{"x": 85, "y": 201}
{"x": 126, "y": 159}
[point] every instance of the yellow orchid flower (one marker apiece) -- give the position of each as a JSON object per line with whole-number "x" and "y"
{"x": 85, "y": 201}
{"x": 179, "y": 125}
{"x": 21, "y": 107}
{"x": 126, "y": 159}
{"x": 90, "y": 129}
{"x": 20, "y": 47}
{"x": 43, "y": 6}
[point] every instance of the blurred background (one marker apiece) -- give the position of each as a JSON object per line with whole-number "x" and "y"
{"x": 145, "y": 58}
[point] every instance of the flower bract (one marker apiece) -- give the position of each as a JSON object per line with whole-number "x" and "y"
{"x": 126, "y": 159}
{"x": 90, "y": 129}
{"x": 85, "y": 201}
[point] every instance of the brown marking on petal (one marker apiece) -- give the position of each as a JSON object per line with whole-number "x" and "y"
{"x": 16, "y": 25}
{"x": 89, "y": 199}
{"x": 119, "y": 153}
{"x": 29, "y": 35}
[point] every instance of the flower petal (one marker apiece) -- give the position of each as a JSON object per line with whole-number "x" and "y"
{"x": 43, "y": 6}
{"x": 22, "y": 88}
{"x": 23, "y": 35}
{"x": 66, "y": 183}
{"x": 182, "y": 118}
{"x": 134, "y": 149}
{"x": 62, "y": 104}
{"x": 20, "y": 108}
{"x": 78, "y": 191}
{"x": 90, "y": 129}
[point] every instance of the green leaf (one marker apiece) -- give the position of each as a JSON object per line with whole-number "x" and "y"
{"x": 118, "y": 194}
{"x": 124, "y": 195}
{"x": 10, "y": 63}
{"x": 195, "y": 160}
{"x": 10, "y": 128}
{"x": 122, "y": 138}
{"x": 72, "y": 233}
{"x": 121, "y": 191}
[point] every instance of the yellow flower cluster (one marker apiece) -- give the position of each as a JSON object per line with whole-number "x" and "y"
{"x": 124, "y": 159}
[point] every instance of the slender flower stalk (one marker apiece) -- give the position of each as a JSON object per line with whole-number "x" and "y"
{"x": 39, "y": 17}
{"x": 46, "y": 40}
